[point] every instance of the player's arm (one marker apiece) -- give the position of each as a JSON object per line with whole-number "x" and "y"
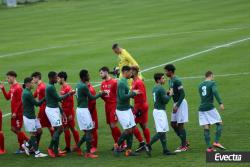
{"x": 89, "y": 95}
{"x": 122, "y": 93}
{"x": 216, "y": 94}
{"x": 165, "y": 98}
{"x": 181, "y": 92}
{"x": 7, "y": 95}
{"x": 34, "y": 102}
{"x": 55, "y": 95}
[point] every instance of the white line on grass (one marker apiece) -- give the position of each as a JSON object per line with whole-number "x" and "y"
{"x": 187, "y": 57}
{"x": 76, "y": 43}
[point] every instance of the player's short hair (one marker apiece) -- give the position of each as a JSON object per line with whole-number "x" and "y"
{"x": 84, "y": 75}
{"x": 27, "y": 80}
{"x": 36, "y": 75}
{"x": 52, "y": 74}
{"x": 170, "y": 67}
{"x": 114, "y": 46}
{"x": 11, "y": 73}
{"x": 208, "y": 74}
{"x": 158, "y": 76}
{"x": 126, "y": 68}
{"x": 135, "y": 68}
{"x": 63, "y": 75}
{"x": 105, "y": 69}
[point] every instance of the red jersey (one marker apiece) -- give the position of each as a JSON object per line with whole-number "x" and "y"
{"x": 68, "y": 103}
{"x": 92, "y": 103}
{"x": 110, "y": 87}
{"x": 138, "y": 84}
{"x": 40, "y": 94}
{"x": 15, "y": 96}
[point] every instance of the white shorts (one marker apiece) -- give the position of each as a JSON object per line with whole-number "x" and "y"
{"x": 126, "y": 118}
{"x": 209, "y": 117}
{"x": 161, "y": 120}
{"x": 54, "y": 116}
{"x": 31, "y": 125}
{"x": 84, "y": 119}
{"x": 181, "y": 116}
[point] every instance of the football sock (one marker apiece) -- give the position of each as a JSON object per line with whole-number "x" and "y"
{"x": 146, "y": 133}
{"x": 1, "y": 141}
{"x": 124, "y": 136}
{"x": 116, "y": 133}
{"x": 67, "y": 138}
{"x": 155, "y": 138}
{"x": 218, "y": 132}
{"x": 183, "y": 137}
{"x": 82, "y": 140}
{"x": 88, "y": 140}
{"x": 130, "y": 140}
{"x": 76, "y": 136}
{"x": 138, "y": 135}
{"x": 163, "y": 140}
{"x": 95, "y": 138}
{"x": 207, "y": 137}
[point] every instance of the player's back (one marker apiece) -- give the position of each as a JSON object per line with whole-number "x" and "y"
{"x": 206, "y": 95}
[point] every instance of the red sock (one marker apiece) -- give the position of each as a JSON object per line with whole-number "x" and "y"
{"x": 146, "y": 134}
{"x": 51, "y": 132}
{"x": 24, "y": 136}
{"x": 67, "y": 138}
{"x": 95, "y": 138}
{"x": 116, "y": 133}
{"x": 76, "y": 136}
{"x": 20, "y": 139}
{"x": 138, "y": 135}
{"x": 1, "y": 141}
{"x": 1, "y": 120}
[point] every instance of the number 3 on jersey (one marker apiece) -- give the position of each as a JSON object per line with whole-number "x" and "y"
{"x": 204, "y": 90}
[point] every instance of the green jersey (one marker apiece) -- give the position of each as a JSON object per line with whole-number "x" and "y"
{"x": 179, "y": 94}
{"x": 83, "y": 95}
{"x": 123, "y": 95}
{"x": 208, "y": 91}
{"x": 51, "y": 96}
{"x": 160, "y": 97}
{"x": 29, "y": 104}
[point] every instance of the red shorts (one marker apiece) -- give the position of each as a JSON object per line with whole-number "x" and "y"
{"x": 94, "y": 118}
{"x": 69, "y": 121}
{"x": 43, "y": 118}
{"x": 17, "y": 122}
{"x": 143, "y": 118}
{"x": 110, "y": 109}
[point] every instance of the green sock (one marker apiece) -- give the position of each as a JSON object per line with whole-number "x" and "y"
{"x": 176, "y": 130}
{"x": 155, "y": 138}
{"x": 183, "y": 137}
{"x": 56, "y": 140}
{"x": 218, "y": 132}
{"x": 123, "y": 137}
{"x": 207, "y": 137}
{"x": 88, "y": 140}
{"x": 130, "y": 140}
{"x": 33, "y": 142}
{"x": 83, "y": 139}
{"x": 163, "y": 140}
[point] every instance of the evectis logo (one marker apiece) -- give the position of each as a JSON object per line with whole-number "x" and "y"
{"x": 228, "y": 157}
{"x": 222, "y": 158}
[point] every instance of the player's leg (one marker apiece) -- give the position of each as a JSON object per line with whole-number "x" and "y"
{"x": 2, "y": 149}
{"x": 67, "y": 138}
{"x": 139, "y": 137}
{"x": 146, "y": 132}
{"x": 207, "y": 138}
{"x": 38, "y": 135}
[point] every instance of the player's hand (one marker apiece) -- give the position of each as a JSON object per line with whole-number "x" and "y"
{"x": 13, "y": 115}
{"x": 1, "y": 85}
{"x": 170, "y": 92}
{"x": 72, "y": 92}
{"x": 103, "y": 93}
{"x": 222, "y": 107}
{"x": 70, "y": 118}
{"x": 137, "y": 92}
{"x": 175, "y": 109}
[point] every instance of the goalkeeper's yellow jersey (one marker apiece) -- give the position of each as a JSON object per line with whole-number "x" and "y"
{"x": 127, "y": 60}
